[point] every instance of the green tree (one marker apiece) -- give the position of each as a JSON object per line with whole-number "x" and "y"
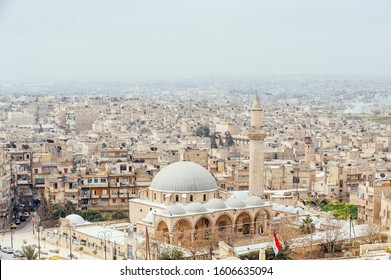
{"x": 118, "y": 215}
{"x": 284, "y": 254}
{"x": 202, "y": 131}
{"x": 307, "y": 226}
{"x": 92, "y": 215}
{"x": 172, "y": 254}
{"x": 29, "y": 253}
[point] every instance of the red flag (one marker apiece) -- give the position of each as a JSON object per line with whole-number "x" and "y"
{"x": 276, "y": 244}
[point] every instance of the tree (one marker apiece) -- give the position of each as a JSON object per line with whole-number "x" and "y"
{"x": 29, "y": 253}
{"x": 285, "y": 253}
{"x": 172, "y": 254}
{"x": 92, "y": 215}
{"x": 333, "y": 236}
{"x": 118, "y": 215}
{"x": 307, "y": 226}
{"x": 372, "y": 233}
{"x": 202, "y": 131}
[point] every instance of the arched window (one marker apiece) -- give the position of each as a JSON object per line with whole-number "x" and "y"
{"x": 191, "y": 198}
{"x": 177, "y": 198}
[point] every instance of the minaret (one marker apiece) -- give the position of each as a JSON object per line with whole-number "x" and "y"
{"x": 256, "y": 135}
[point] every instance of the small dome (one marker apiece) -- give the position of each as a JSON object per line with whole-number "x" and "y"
{"x": 240, "y": 195}
{"x": 215, "y": 203}
{"x": 236, "y": 203}
{"x": 174, "y": 209}
{"x": 300, "y": 210}
{"x": 149, "y": 217}
{"x": 290, "y": 209}
{"x": 75, "y": 219}
{"x": 195, "y": 207}
{"x": 254, "y": 201}
{"x": 183, "y": 176}
{"x": 281, "y": 208}
{"x": 275, "y": 206}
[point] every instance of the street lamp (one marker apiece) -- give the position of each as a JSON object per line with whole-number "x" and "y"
{"x": 104, "y": 235}
{"x": 13, "y": 226}
{"x": 70, "y": 240}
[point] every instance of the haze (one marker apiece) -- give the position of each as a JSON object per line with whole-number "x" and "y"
{"x": 51, "y": 40}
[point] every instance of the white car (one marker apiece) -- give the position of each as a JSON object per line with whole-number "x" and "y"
{"x": 7, "y": 249}
{"x": 26, "y": 214}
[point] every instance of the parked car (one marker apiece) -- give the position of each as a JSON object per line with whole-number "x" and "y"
{"x": 17, "y": 221}
{"x": 7, "y": 249}
{"x": 22, "y": 218}
{"x": 18, "y": 254}
{"x": 26, "y": 214}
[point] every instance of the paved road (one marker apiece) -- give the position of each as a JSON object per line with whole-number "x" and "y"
{"x": 24, "y": 235}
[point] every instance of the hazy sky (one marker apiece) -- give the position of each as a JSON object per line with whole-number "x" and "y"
{"x": 43, "y": 40}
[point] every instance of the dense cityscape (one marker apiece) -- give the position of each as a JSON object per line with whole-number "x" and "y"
{"x": 206, "y": 168}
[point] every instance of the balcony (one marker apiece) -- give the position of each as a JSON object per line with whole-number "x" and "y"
{"x": 123, "y": 195}
{"x": 71, "y": 190}
{"x": 104, "y": 196}
{"x": 95, "y": 196}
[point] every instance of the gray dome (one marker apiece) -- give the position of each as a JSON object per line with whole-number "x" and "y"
{"x": 290, "y": 209}
{"x": 75, "y": 219}
{"x": 215, "y": 203}
{"x": 236, "y": 203}
{"x": 275, "y": 206}
{"x": 240, "y": 195}
{"x": 254, "y": 201}
{"x": 195, "y": 207}
{"x": 281, "y": 208}
{"x": 174, "y": 209}
{"x": 149, "y": 217}
{"x": 300, "y": 210}
{"x": 183, "y": 176}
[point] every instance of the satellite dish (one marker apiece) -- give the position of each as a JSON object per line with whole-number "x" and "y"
{"x": 104, "y": 145}
{"x": 382, "y": 175}
{"x": 123, "y": 144}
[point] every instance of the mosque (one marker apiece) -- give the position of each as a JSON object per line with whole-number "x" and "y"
{"x": 183, "y": 205}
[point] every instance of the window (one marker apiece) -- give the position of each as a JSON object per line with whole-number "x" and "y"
{"x": 154, "y": 196}
{"x": 90, "y": 181}
{"x": 114, "y": 200}
{"x": 191, "y": 198}
{"x": 96, "y": 181}
{"x": 204, "y": 197}
{"x": 35, "y": 171}
{"x": 103, "y": 180}
{"x": 39, "y": 181}
{"x": 177, "y": 198}
{"x": 55, "y": 186}
{"x": 133, "y": 191}
{"x": 122, "y": 200}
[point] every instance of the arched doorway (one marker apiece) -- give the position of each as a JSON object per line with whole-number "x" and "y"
{"x": 161, "y": 232}
{"x": 223, "y": 228}
{"x": 182, "y": 233}
{"x": 243, "y": 225}
{"x": 203, "y": 228}
{"x": 260, "y": 222}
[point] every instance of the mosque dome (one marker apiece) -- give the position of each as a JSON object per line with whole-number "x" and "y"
{"x": 75, "y": 219}
{"x": 236, "y": 203}
{"x": 174, "y": 209}
{"x": 291, "y": 209}
{"x": 149, "y": 217}
{"x": 183, "y": 176}
{"x": 240, "y": 195}
{"x": 275, "y": 206}
{"x": 254, "y": 201}
{"x": 281, "y": 208}
{"x": 195, "y": 207}
{"x": 300, "y": 210}
{"x": 215, "y": 203}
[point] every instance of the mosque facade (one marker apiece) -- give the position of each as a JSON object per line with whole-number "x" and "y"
{"x": 183, "y": 205}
